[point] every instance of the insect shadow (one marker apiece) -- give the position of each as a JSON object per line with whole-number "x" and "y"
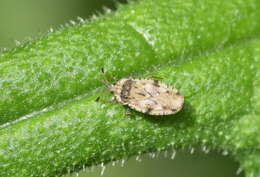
{"x": 184, "y": 118}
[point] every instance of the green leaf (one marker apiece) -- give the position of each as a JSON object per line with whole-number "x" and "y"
{"x": 63, "y": 65}
{"x": 54, "y": 81}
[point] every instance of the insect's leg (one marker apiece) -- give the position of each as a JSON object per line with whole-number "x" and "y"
{"x": 99, "y": 99}
{"x": 154, "y": 77}
{"x": 128, "y": 112}
{"x": 148, "y": 110}
{"x": 113, "y": 99}
{"x": 105, "y": 80}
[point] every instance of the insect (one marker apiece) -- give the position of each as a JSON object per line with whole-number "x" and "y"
{"x": 148, "y": 96}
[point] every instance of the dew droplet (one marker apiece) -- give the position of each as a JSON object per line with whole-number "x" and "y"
{"x": 239, "y": 170}
{"x": 93, "y": 17}
{"x": 192, "y": 150}
{"x": 107, "y": 10}
{"x": 205, "y": 149}
{"x": 152, "y": 155}
{"x": 225, "y": 153}
{"x": 173, "y": 154}
{"x": 72, "y": 22}
{"x": 122, "y": 162}
{"x": 138, "y": 159}
{"x": 17, "y": 43}
{"x": 103, "y": 168}
{"x": 113, "y": 163}
{"x": 81, "y": 20}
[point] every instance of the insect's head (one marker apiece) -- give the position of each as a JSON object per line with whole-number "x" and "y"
{"x": 112, "y": 88}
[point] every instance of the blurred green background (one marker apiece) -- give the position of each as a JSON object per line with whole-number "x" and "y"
{"x": 30, "y": 18}
{"x": 22, "y": 20}
{"x": 162, "y": 164}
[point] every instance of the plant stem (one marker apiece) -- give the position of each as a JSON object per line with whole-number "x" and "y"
{"x": 182, "y": 42}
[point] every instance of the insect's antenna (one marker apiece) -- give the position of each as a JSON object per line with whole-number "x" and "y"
{"x": 106, "y": 79}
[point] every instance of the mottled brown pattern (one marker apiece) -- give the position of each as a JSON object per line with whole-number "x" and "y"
{"x": 148, "y": 96}
{"x": 126, "y": 88}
